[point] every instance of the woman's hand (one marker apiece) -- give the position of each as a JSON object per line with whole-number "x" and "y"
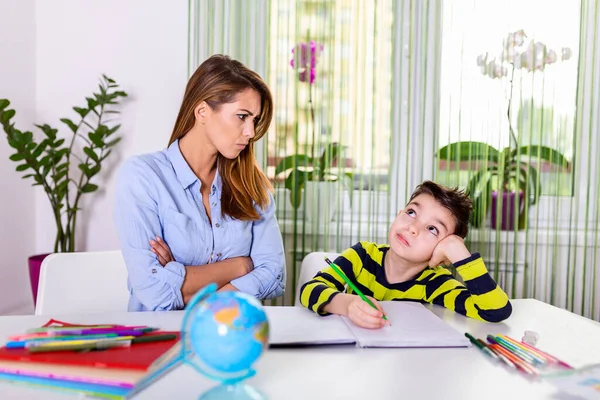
{"x": 246, "y": 265}
{"x": 162, "y": 251}
{"x": 363, "y": 315}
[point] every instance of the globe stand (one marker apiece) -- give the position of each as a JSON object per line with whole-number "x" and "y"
{"x": 236, "y": 391}
{"x": 224, "y": 348}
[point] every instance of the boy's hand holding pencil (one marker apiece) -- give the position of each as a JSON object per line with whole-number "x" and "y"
{"x": 364, "y": 315}
{"x": 363, "y": 311}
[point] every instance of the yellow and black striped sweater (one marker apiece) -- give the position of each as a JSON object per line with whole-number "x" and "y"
{"x": 480, "y": 297}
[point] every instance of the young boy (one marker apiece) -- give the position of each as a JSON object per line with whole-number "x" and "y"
{"x": 428, "y": 232}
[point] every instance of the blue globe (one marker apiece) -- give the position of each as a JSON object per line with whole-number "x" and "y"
{"x": 224, "y": 333}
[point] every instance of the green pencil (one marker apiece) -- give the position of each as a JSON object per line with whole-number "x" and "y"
{"x": 352, "y": 286}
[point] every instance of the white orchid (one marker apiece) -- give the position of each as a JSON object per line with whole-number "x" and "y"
{"x": 518, "y": 54}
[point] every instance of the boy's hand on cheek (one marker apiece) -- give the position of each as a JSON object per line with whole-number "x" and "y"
{"x": 365, "y": 316}
{"x": 449, "y": 250}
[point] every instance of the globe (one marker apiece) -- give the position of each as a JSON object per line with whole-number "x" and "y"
{"x": 223, "y": 335}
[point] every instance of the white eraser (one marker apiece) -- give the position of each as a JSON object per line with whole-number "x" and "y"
{"x": 530, "y": 337}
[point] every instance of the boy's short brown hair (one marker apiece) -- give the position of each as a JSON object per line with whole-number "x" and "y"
{"x": 455, "y": 200}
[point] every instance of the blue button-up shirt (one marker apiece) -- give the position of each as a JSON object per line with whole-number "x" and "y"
{"x": 159, "y": 195}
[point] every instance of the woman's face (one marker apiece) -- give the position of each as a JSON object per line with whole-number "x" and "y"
{"x": 231, "y": 128}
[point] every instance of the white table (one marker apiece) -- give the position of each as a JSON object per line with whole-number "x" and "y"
{"x": 347, "y": 372}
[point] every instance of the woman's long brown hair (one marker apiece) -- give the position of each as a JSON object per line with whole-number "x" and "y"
{"x": 217, "y": 81}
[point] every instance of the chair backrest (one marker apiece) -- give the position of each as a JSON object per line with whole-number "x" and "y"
{"x": 86, "y": 282}
{"x": 311, "y": 264}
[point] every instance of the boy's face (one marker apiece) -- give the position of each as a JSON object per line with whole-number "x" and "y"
{"x": 419, "y": 227}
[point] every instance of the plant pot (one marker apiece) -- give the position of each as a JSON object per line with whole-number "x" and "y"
{"x": 509, "y": 206}
{"x": 35, "y": 265}
{"x": 320, "y": 200}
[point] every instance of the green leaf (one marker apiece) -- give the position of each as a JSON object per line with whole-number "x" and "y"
{"x": 106, "y": 78}
{"x": 40, "y": 148}
{"x": 469, "y": 151}
{"x": 293, "y": 161}
{"x": 96, "y": 139}
{"x": 330, "y": 153}
{"x": 542, "y": 152}
{"x": 48, "y": 131}
{"x": 348, "y": 183}
{"x": 295, "y": 183}
{"x": 90, "y": 153}
{"x": 59, "y": 176}
{"x": 46, "y": 169}
{"x": 113, "y": 130}
{"x": 81, "y": 111}
{"x": 22, "y": 167}
{"x": 3, "y": 104}
{"x": 113, "y": 142}
{"x": 17, "y": 157}
{"x": 5, "y": 116}
{"x": 92, "y": 103}
{"x": 61, "y": 189}
{"x": 70, "y": 124}
{"x": 479, "y": 190}
{"x": 121, "y": 94}
{"x": 45, "y": 161}
{"x": 89, "y": 187}
{"x": 95, "y": 169}
{"x": 105, "y": 155}
{"x": 58, "y": 143}
{"x": 86, "y": 170}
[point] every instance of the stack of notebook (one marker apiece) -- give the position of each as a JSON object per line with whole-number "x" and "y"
{"x": 108, "y": 361}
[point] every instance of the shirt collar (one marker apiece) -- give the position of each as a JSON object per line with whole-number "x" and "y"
{"x": 184, "y": 173}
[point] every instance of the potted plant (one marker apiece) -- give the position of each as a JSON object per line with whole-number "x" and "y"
{"x": 318, "y": 177}
{"x": 48, "y": 162}
{"x": 507, "y": 179}
{"x": 509, "y": 173}
{"x": 313, "y": 177}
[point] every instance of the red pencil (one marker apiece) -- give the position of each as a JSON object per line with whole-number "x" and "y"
{"x": 500, "y": 356}
{"x": 520, "y": 364}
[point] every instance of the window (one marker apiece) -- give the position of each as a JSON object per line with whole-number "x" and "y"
{"x": 521, "y": 53}
{"x": 351, "y": 93}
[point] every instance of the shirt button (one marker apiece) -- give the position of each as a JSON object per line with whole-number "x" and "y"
{"x": 153, "y": 270}
{"x": 217, "y": 225}
{"x": 214, "y": 204}
{"x": 278, "y": 276}
{"x": 218, "y": 254}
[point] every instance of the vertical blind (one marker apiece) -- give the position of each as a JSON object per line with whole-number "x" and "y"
{"x": 376, "y": 96}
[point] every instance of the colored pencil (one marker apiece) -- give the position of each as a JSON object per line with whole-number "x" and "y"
{"x": 352, "y": 285}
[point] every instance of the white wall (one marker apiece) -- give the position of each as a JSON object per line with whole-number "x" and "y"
{"x": 17, "y": 205}
{"x": 52, "y": 54}
{"x": 142, "y": 44}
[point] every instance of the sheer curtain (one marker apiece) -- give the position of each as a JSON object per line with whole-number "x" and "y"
{"x": 377, "y": 92}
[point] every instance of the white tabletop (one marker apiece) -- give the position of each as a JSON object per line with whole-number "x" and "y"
{"x": 348, "y": 372}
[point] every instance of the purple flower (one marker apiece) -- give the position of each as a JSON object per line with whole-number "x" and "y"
{"x": 307, "y": 60}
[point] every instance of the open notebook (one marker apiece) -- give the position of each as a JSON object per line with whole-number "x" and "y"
{"x": 413, "y": 325}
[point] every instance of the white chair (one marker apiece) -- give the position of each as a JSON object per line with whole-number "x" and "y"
{"x": 311, "y": 264}
{"x": 87, "y": 282}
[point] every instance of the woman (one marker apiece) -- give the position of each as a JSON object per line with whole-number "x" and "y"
{"x": 202, "y": 211}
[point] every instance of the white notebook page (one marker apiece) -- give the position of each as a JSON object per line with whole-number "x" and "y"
{"x": 299, "y": 326}
{"x": 413, "y": 325}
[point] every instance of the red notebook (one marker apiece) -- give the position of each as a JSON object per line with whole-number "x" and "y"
{"x": 115, "y": 366}
{"x": 138, "y": 356}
